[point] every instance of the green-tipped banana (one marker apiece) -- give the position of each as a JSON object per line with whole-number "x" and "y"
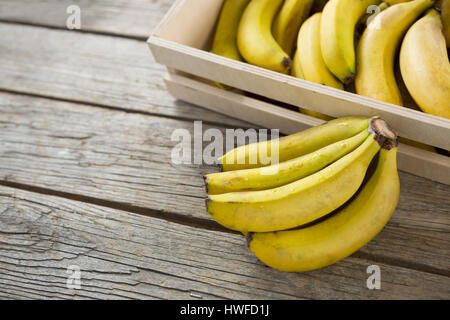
{"x": 340, "y": 235}
{"x": 377, "y": 50}
{"x": 293, "y": 146}
{"x": 255, "y": 40}
{"x": 280, "y": 174}
{"x": 310, "y": 55}
{"x": 304, "y": 200}
{"x": 337, "y": 31}
{"x": 288, "y": 21}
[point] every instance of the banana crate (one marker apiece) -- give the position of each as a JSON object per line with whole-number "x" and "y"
{"x": 182, "y": 42}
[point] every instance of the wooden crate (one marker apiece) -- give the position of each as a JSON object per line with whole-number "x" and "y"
{"x": 181, "y": 42}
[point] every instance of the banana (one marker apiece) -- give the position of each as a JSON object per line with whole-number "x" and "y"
{"x": 340, "y": 235}
{"x": 445, "y": 17}
{"x": 425, "y": 66}
{"x": 225, "y": 42}
{"x": 337, "y": 29}
{"x": 293, "y": 146}
{"x": 283, "y": 173}
{"x": 310, "y": 55}
{"x": 377, "y": 48}
{"x": 296, "y": 70}
{"x": 255, "y": 40}
{"x": 304, "y": 200}
{"x": 288, "y": 21}
{"x": 225, "y": 38}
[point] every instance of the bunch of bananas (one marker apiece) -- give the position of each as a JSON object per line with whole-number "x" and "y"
{"x": 322, "y": 184}
{"x": 283, "y": 36}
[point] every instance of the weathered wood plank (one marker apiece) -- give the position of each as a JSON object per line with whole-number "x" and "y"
{"x": 135, "y": 18}
{"x": 125, "y": 159}
{"x": 123, "y": 255}
{"x": 95, "y": 69}
{"x": 117, "y": 156}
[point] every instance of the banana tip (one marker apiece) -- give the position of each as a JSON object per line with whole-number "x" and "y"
{"x": 349, "y": 79}
{"x": 207, "y": 201}
{"x": 248, "y": 239}
{"x": 286, "y": 63}
{"x": 205, "y": 180}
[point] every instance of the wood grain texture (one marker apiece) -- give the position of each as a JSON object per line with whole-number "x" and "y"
{"x": 135, "y": 18}
{"x": 127, "y": 256}
{"x": 126, "y": 159}
{"x": 93, "y": 69}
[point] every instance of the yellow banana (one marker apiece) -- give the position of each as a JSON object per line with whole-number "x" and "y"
{"x": 283, "y": 173}
{"x": 296, "y": 70}
{"x": 310, "y": 55}
{"x": 337, "y": 29}
{"x": 376, "y": 50}
{"x": 445, "y": 17}
{"x": 304, "y": 200}
{"x": 225, "y": 42}
{"x": 295, "y": 145}
{"x": 255, "y": 40}
{"x": 225, "y": 38}
{"x": 425, "y": 66}
{"x": 340, "y": 235}
{"x": 288, "y": 21}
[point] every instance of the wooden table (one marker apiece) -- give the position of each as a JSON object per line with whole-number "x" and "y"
{"x": 86, "y": 179}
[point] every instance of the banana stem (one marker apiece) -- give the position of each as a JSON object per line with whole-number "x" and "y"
{"x": 383, "y": 134}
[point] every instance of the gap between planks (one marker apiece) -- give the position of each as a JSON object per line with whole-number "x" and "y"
{"x": 154, "y": 213}
{"x": 85, "y": 31}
